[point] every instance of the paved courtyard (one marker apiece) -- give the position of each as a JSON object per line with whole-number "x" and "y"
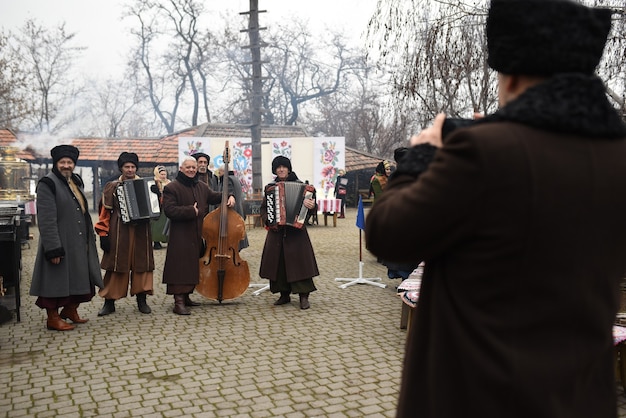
{"x": 244, "y": 358}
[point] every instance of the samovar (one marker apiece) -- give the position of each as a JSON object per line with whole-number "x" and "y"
{"x": 15, "y": 176}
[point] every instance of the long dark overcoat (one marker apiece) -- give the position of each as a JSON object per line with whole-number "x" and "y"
{"x": 185, "y": 242}
{"x": 300, "y": 260}
{"x": 521, "y": 222}
{"x": 64, "y": 230}
{"x": 118, "y": 258}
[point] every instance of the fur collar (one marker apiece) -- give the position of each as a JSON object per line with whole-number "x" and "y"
{"x": 565, "y": 103}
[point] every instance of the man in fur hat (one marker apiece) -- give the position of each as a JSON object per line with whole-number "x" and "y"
{"x": 128, "y": 256}
{"x": 204, "y": 174}
{"x": 288, "y": 260}
{"x": 520, "y": 221}
{"x": 66, "y": 269}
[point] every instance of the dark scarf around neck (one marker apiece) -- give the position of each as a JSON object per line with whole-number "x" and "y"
{"x": 186, "y": 181}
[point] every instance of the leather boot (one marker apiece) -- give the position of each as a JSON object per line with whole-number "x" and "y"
{"x": 189, "y": 302}
{"x": 108, "y": 308}
{"x": 304, "y": 301}
{"x": 55, "y": 322}
{"x": 179, "y": 305}
{"x": 70, "y": 312}
{"x": 283, "y": 299}
{"x": 142, "y": 305}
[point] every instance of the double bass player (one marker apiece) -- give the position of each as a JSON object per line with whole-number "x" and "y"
{"x": 186, "y": 202}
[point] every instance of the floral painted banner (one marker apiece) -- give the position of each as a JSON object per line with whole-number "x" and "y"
{"x": 281, "y": 146}
{"x": 329, "y": 154}
{"x": 241, "y": 164}
{"x": 191, "y": 145}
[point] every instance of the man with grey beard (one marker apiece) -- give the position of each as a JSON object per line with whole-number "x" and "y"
{"x": 67, "y": 268}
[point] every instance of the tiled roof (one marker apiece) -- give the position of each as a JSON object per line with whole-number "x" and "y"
{"x": 8, "y": 139}
{"x": 164, "y": 150}
{"x": 359, "y": 160}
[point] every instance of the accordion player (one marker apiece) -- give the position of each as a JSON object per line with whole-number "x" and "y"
{"x": 285, "y": 203}
{"x": 137, "y": 201}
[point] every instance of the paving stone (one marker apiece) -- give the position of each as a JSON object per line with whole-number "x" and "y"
{"x": 241, "y": 358}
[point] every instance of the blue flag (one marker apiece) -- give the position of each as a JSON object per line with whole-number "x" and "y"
{"x": 360, "y": 215}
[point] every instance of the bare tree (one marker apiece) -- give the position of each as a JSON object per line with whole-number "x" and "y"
{"x": 14, "y": 104}
{"x": 48, "y": 55}
{"x": 111, "y": 105}
{"x": 301, "y": 70}
{"x": 438, "y": 52}
{"x": 612, "y": 68}
{"x": 171, "y": 56}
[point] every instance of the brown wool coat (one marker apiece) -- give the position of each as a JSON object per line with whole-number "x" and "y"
{"x": 110, "y": 222}
{"x": 185, "y": 240}
{"x": 300, "y": 263}
{"x": 524, "y": 239}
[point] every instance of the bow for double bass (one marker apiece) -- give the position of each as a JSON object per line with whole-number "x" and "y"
{"x": 224, "y": 275}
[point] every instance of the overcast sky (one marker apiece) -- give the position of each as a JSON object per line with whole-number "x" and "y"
{"x": 98, "y": 24}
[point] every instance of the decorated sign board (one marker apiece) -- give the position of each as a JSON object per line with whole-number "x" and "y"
{"x": 316, "y": 159}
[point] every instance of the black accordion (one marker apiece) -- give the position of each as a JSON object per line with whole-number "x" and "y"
{"x": 137, "y": 201}
{"x": 285, "y": 203}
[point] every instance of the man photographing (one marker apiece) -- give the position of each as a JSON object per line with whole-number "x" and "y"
{"x": 519, "y": 219}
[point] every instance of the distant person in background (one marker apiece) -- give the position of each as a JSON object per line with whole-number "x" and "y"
{"x": 158, "y": 226}
{"x": 341, "y": 191}
{"x": 379, "y": 179}
{"x": 397, "y": 270}
{"x": 204, "y": 174}
{"x": 66, "y": 268}
{"x": 128, "y": 256}
{"x": 234, "y": 188}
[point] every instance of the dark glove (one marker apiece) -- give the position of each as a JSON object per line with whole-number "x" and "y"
{"x": 155, "y": 189}
{"x": 105, "y": 243}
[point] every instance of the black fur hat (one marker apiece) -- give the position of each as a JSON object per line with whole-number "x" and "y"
{"x": 280, "y": 160}
{"x": 127, "y": 157}
{"x": 201, "y": 154}
{"x": 61, "y": 151}
{"x": 545, "y": 37}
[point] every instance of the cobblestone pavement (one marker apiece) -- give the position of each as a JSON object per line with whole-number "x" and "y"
{"x": 246, "y": 358}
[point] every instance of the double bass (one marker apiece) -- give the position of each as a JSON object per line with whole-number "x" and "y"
{"x": 224, "y": 275}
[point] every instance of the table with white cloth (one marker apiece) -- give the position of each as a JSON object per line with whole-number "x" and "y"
{"x": 409, "y": 292}
{"x": 329, "y": 207}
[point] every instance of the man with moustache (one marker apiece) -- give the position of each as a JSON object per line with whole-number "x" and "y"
{"x": 66, "y": 268}
{"x": 128, "y": 255}
{"x": 186, "y": 202}
{"x": 203, "y": 173}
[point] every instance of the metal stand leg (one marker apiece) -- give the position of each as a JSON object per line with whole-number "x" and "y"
{"x": 360, "y": 280}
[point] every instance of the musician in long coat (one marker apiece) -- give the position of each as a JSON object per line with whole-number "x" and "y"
{"x": 128, "y": 256}
{"x": 520, "y": 221}
{"x": 186, "y": 202}
{"x": 288, "y": 260}
{"x": 66, "y": 269}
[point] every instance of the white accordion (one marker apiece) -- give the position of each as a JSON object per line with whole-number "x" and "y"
{"x": 285, "y": 203}
{"x": 137, "y": 201}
